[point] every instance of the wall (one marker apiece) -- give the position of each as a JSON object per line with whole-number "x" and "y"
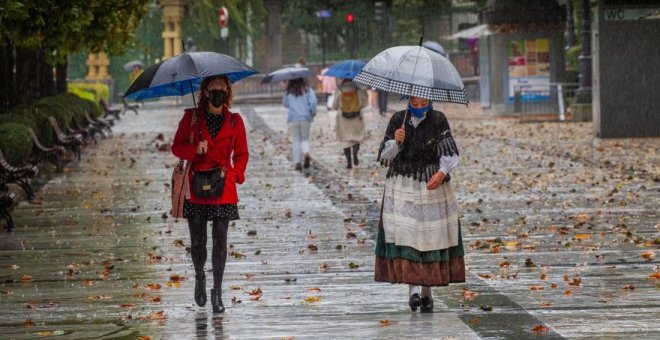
{"x": 626, "y": 73}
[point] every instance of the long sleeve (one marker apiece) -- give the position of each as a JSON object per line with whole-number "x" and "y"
{"x": 241, "y": 155}
{"x": 285, "y": 100}
{"x": 390, "y": 150}
{"x": 448, "y": 163}
{"x": 181, "y": 146}
{"x": 312, "y": 100}
{"x": 335, "y": 99}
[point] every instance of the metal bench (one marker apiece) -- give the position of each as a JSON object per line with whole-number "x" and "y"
{"x": 130, "y": 107}
{"x": 17, "y": 175}
{"x": 8, "y": 200}
{"x": 40, "y": 152}
{"x": 108, "y": 111}
{"x": 69, "y": 142}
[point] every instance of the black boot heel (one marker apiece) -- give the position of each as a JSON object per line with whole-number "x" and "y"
{"x": 200, "y": 291}
{"x": 427, "y": 305}
{"x": 216, "y": 301}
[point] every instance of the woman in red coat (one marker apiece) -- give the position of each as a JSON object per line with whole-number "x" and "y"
{"x": 218, "y": 141}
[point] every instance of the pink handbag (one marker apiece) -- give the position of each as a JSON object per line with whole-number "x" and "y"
{"x": 180, "y": 189}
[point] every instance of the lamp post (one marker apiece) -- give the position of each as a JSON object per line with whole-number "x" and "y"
{"x": 322, "y": 15}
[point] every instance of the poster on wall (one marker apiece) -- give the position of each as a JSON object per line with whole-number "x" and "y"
{"x": 529, "y": 67}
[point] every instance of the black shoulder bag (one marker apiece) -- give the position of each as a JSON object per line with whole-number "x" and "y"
{"x": 211, "y": 183}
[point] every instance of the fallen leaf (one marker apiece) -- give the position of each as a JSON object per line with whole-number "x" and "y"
{"x": 155, "y": 298}
{"x": 143, "y": 337}
{"x": 538, "y": 287}
{"x": 486, "y": 276}
{"x": 385, "y": 322}
{"x": 655, "y": 275}
{"x": 505, "y": 264}
{"x": 544, "y": 277}
{"x": 127, "y": 305}
{"x": 583, "y": 236}
{"x": 235, "y": 287}
{"x": 314, "y": 289}
{"x": 541, "y": 330}
{"x": 312, "y": 299}
{"x": 235, "y": 301}
{"x": 553, "y": 285}
{"x": 353, "y": 265}
{"x": 575, "y": 282}
{"x": 468, "y": 294}
{"x": 156, "y": 315}
{"x": 648, "y": 255}
{"x": 512, "y": 245}
{"x": 629, "y": 287}
{"x": 28, "y": 323}
{"x": 152, "y": 286}
{"x": 177, "y": 278}
{"x": 100, "y": 297}
{"x": 568, "y": 293}
{"x": 26, "y": 278}
{"x": 88, "y": 283}
{"x": 545, "y": 303}
{"x": 255, "y": 291}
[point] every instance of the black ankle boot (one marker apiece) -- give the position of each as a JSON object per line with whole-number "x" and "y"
{"x": 356, "y": 148}
{"x": 200, "y": 291}
{"x": 414, "y": 302}
{"x": 347, "y": 153}
{"x": 427, "y": 305}
{"x": 216, "y": 301}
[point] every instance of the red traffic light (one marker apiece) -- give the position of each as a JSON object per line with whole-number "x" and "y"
{"x": 350, "y": 18}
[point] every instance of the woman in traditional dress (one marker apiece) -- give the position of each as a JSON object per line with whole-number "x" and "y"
{"x": 419, "y": 237}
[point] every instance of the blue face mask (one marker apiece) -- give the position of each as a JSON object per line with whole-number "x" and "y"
{"x": 419, "y": 112}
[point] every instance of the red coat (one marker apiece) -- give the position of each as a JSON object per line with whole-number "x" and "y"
{"x": 216, "y": 155}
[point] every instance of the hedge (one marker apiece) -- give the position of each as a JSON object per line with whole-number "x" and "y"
{"x": 98, "y": 90}
{"x": 15, "y": 143}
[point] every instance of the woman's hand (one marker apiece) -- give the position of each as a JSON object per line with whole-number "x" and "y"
{"x": 202, "y": 147}
{"x": 435, "y": 181}
{"x": 399, "y": 135}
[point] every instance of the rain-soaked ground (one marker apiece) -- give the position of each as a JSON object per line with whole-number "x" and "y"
{"x": 561, "y": 232}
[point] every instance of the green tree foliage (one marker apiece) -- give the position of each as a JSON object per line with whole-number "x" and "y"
{"x": 202, "y": 25}
{"x": 44, "y": 32}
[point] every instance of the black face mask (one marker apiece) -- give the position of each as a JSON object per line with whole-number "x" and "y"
{"x": 217, "y": 97}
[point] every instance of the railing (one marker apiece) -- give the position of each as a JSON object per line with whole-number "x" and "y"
{"x": 544, "y": 101}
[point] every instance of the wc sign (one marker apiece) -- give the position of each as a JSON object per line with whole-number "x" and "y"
{"x": 620, "y": 14}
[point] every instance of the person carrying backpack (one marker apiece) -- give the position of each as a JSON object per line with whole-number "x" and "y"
{"x": 349, "y": 101}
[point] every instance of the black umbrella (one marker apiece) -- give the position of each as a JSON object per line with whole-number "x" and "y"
{"x": 286, "y": 74}
{"x": 183, "y": 74}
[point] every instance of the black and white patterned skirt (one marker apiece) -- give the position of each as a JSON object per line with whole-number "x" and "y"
{"x": 227, "y": 212}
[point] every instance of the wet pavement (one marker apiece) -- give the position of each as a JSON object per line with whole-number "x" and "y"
{"x": 561, "y": 232}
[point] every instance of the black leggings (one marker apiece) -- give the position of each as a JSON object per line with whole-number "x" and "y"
{"x": 197, "y": 228}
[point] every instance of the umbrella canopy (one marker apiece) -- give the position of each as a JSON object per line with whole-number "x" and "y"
{"x": 475, "y": 32}
{"x": 131, "y": 64}
{"x": 184, "y": 73}
{"x": 414, "y": 71}
{"x": 286, "y": 74}
{"x": 435, "y": 47}
{"x": 346, "y": 69}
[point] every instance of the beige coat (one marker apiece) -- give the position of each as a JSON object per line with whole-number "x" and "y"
{"x": 350, "y": 131}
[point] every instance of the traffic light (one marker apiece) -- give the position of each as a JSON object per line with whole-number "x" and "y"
{"x": 350, "y": 18}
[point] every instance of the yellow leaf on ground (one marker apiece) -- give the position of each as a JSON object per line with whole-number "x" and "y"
{"x": 583, "y": 236}
{"x": 469, "y": 295}
{"x": 26, "y": 278}
{"x": 385, "y": 322}
{"x": 505, "y": 264}
{"x": 567, "y": 293}
{"x": 655, "y": 275}
{"x": 512, "y": 245}
{"x": 312, "y": 299}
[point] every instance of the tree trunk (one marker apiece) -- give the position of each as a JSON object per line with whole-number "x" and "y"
{"x": 61, "y": 73}
{"x": 25, "y": 75}
{"x": 5, "y": 74}
{"x": 46, "y": 81}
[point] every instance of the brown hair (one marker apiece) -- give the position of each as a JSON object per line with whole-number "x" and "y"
{"x": 296, "y": 87}
{"x": 204, "y": 100}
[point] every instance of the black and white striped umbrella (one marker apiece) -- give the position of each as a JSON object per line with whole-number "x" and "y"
{"x": 414, "y": 71}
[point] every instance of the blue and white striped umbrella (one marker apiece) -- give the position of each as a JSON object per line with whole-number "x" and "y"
{"x": 414, "y": 71}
